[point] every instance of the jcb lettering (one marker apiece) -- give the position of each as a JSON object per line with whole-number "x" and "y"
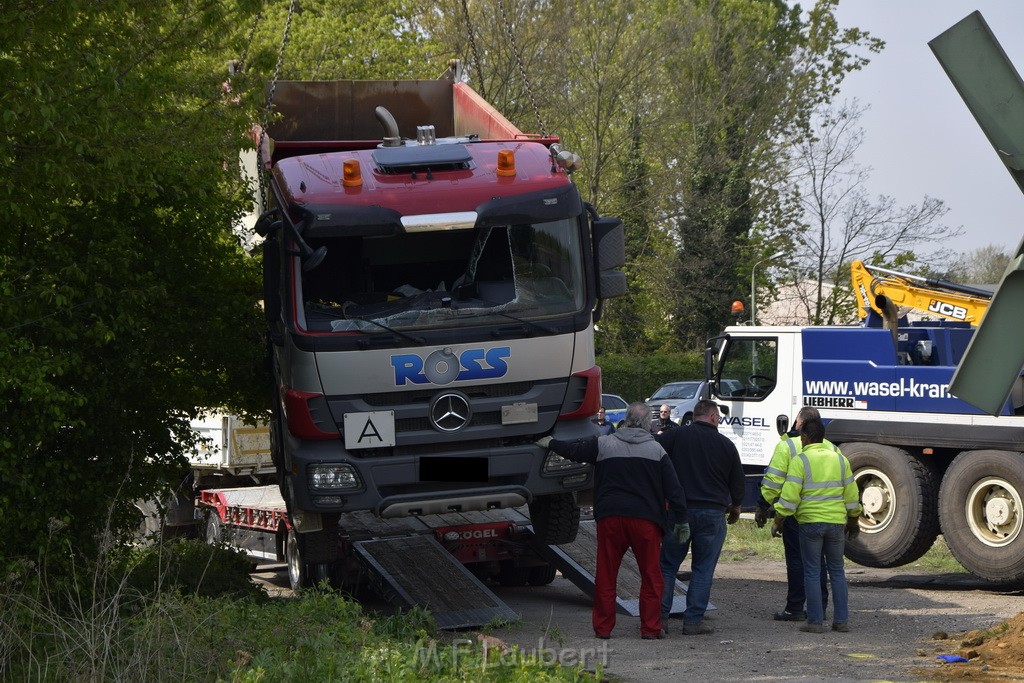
{"x": 444, "y": 367}
{"x": 947, "y": 309}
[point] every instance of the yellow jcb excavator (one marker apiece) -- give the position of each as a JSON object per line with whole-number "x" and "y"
{"x": 874, "y": 288}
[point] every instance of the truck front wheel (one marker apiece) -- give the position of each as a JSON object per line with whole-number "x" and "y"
{"x": 555, "y": 517}
{"x": 981, "y": 507}
{"x": 542, "y": 575}
{"x": 302, "y": 574}
{"x": 900, "y": 521}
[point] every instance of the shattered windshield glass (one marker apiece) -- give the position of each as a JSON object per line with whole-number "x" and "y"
{"x": 445, "y": 278}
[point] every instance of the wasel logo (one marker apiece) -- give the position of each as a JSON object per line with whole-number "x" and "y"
{"x": 444, "y": 367}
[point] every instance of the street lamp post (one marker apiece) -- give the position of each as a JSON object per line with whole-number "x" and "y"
{"x": 753, "y": 285}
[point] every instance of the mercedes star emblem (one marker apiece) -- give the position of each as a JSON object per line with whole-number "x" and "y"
{"x": 450, "y": 412}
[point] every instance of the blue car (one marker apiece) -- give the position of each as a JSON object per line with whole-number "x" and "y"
{"x": 614, "y": 409}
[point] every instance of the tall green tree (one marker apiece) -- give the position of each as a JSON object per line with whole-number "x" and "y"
{"x": 746, "y": 75}
{"x": 127, "y": 301}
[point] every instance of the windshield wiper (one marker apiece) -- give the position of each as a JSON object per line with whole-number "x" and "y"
{"x": 415, "y": 340}
{"x": 522, "y": 321}
{"x": 342, "y": 315}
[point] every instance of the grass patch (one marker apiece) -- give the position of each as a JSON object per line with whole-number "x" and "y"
{"x": 151, "y": 616}
{"x": 940, "y": 560}
{"x": 745, "y": 541}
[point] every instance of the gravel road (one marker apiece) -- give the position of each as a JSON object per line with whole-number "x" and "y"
{"x": 893, "y": 615}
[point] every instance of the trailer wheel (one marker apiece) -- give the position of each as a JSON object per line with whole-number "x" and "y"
{"x": 900, "y": 521}
{"x": 542, "y": 575}
{"x": 509, "y": 574}
{"x": 214, "y": 531}
{"x": 556, "y": 518}
{"x": 981, "y": 506}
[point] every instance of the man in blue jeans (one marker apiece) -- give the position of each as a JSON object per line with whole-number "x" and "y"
{"x": 821, "y": 493}
{"x": 708, "y": 466}
{"x": 771, "y": 487}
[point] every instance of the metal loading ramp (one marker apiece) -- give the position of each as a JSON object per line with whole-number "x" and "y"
{"x": 577, "y": 561}
{"x": 417, "y": 570}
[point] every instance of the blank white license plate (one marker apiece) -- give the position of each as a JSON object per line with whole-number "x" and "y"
{"x": 370, "y": 430}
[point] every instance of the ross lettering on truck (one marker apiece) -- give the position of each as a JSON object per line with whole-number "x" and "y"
{"x": 444, "y": 367}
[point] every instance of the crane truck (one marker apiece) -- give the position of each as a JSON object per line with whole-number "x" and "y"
{"x": 925, "y": 459}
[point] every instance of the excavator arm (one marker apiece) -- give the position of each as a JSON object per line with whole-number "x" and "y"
{"x": 947, "y": 300}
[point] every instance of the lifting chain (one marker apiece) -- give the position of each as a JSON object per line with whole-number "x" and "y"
{"x": 522, "y": 69}
{"x": 270, "y": 104}
{"x": 476, "y": 53}
{"x": 243, "y": 62}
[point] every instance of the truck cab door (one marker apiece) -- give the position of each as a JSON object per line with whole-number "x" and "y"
{"x": 757, "y": 379}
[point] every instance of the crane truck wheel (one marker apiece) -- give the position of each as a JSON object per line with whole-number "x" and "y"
{"x": 981, "y": 507}
{"x": 555, "y": 517}
{"x": 897, "y": 490}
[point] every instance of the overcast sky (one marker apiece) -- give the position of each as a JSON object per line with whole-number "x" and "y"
{"x": 920, "y": 139}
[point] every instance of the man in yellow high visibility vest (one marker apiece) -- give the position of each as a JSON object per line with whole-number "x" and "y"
{"x": 771, "y": 487}
{"x": 821, "y": 493}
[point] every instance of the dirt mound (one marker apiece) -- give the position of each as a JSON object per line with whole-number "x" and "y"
{"x": 995, "y": 653}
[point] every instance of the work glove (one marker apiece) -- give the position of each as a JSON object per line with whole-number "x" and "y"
{"x": 777, "y": 526}
{"x": 761, "y": 517}
{"x": 543, "y": 442}
{"x": 681, "y": 532}
{"x": 733, "y": 514}
{"x": 852, "y": 528}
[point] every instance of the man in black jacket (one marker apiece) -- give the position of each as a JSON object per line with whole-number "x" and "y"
{"x": 632, "y": 480}
{"x": 663, "y": 421}
{"x": 708, "y": 466}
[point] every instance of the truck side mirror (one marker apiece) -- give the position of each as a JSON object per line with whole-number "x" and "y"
{"x": 609, "y": 241}
{"x": 782, "y": 424}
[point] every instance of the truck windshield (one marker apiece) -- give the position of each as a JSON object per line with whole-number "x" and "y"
{"x": 677, "y": 390}
{"x": 529, "y": 271}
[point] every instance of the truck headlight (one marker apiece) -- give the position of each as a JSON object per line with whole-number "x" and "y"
{"x": 555, "y": 463}
{"x": 333, "y": 476}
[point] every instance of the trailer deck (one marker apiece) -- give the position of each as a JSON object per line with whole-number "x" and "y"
{"x": 425, "y": 560}
{"x": 417, "y": 570}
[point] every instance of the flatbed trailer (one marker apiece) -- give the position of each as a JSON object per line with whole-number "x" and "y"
{"x": 439, "y": 562}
